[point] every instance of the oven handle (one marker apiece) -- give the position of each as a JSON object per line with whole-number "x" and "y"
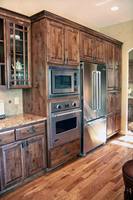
{"x": 58, "y": 115}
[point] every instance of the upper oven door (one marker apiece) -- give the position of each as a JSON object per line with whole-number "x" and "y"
{"x": 65, "y": 127}
{"x": 62, "y": 81}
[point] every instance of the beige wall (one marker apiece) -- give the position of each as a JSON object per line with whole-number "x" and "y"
{"x": 9, "y": 95}
{"x": 124, "y": 33}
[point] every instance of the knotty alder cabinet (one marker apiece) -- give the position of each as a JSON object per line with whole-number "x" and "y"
{"x": 3, "y": 69}
{"x": 24, "y": 158}
{"x": 62, "y": 44}
{"x": 15, "y": 50}
{"x": 92, "y": 49}
{"x": 113, "y": 63}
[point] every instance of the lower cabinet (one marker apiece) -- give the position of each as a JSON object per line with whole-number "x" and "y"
{"x": 21, "y": 160}
{"x": 64, "y": 152}
{"x": 12, "y": 164}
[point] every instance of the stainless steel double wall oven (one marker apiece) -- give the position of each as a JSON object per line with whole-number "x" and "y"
{"x": 64, "y": 115}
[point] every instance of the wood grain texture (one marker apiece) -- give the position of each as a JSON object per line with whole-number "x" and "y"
{"x": 51, "y": 16}
{"x": 86, "y": 46}
{"x": 99, "y": 50}
{"x": 35, "y": 155}
{"x": 98, "y": 176}
{"x": 64, "y": 152}
{"x": 12, "y": 164}
{"x": 35, "y": 99}
{"x": 30, "y": 131}
{"x": 7, "y": 137}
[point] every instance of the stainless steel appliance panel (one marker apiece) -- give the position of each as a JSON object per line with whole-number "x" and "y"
{"x": 93, "y": 104}
{"x": 94, "y": 134}
{"x": 65, "y": 127}
{"x": 64, "y": 122}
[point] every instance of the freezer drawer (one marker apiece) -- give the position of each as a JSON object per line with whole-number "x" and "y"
{"x": 94, "y": 134}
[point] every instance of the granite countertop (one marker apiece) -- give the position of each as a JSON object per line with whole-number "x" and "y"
{"x": 19, "y": 120}
{"x": 130, "y": 97}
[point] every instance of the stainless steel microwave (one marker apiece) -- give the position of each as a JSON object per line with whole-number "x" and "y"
{"x": 63, "y": 81}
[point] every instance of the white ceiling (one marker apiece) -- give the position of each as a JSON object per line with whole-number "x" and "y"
{"x": 96, "y": 12}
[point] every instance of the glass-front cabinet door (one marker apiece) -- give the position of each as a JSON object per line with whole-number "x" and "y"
{"x": 19, "y": 54}
{"x": 3, "y": 79}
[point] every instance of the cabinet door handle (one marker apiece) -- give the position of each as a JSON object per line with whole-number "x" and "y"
{"x": 32, "y": 131}
{"x": 0, "y": 140}
{"x": 23, "y": 145}
{"x": 27, "y": 143}
{"x": 10, "y": 84}
{"x": 67, "y": 152}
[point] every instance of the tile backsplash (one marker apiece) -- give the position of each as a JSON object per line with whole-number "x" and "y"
{"x": 8, "y": 96}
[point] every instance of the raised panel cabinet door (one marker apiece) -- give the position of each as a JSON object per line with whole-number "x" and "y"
{"x": 118, "y": 59}
{"x": 110, "y": 125}
{"x": 117, "y": 84}
{"x": 55, "y": 42}
{"x": 12, "y": 164}
{"x": 99, "y": 50}
{"x": 110, "y": 102}
{"x": 110, "y": 65}
{"x": 35, "y": 155}
{"x": 117, "y": 122}
{"x": 71, "y": 46}
{"x": 117, "y": 105}
{"x": 86, "y": 46}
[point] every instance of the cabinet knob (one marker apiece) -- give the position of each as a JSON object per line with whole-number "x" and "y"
{"x": 23, "y": 145}
{"x": 32, "y": 131}
{"x": 67, "y": 152}
{"x": 27, "y": 143}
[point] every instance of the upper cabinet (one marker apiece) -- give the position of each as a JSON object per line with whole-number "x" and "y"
{"x": 18, "y": 54}
{"x": 62, "y": 44}
{"x": 3, "y": 69}
{"x": 92, "y": 49}
{"x": 15, "y": 51}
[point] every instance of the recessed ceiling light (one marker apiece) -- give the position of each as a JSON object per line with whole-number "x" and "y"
{"x": 114, "y": 8}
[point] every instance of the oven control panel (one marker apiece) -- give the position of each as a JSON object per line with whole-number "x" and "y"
{"x": 65, "y": 105}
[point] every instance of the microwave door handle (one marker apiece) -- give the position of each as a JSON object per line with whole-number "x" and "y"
{"x": 99, "y": 88}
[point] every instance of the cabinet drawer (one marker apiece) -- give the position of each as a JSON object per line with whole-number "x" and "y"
{"x": 30, "y": 131}
{"x": 64, "y": 152}
{"x": 7, "y": 137}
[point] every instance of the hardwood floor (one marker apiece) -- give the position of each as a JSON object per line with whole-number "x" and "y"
{"x": 98, "y": 176}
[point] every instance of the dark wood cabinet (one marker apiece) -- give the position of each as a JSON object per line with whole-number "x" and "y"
{"x": 12, "y": 164}
{"x": 86, "y": 47}
{"x": 35, "y": 155}
{"x": 62, "y": 44}
{"x": 64, "y": 152}
{"x": 113, "y": 62}
{"x": 24, "y": 158}
{"x": 15, "y": 51}
{"x": 18, "y": 52}
{"x": 92, "y": 49}
{"x": 3, "y": 67}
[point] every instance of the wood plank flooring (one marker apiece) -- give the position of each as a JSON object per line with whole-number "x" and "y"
{"x": 98, "y": 176}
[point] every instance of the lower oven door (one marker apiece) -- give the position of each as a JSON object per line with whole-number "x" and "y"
{"x": 65, "y": 127}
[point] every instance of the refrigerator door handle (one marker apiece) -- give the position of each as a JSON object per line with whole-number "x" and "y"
{"x": 99, "y": 90}
{"x": 93, "y": 90}
{"x": 96, "y": 122}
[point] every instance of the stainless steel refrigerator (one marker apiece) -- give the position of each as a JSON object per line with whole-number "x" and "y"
{"x": 93, "y": 104}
